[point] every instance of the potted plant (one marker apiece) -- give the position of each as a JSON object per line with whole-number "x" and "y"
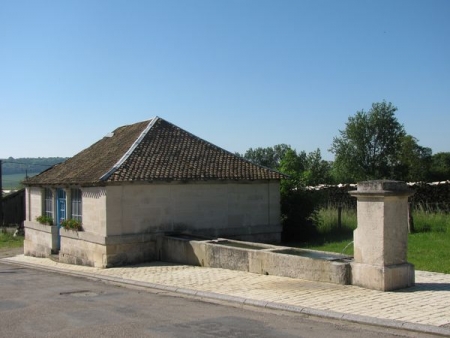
{"x": 43, "y": 219}
{"x": 71, "y": 224}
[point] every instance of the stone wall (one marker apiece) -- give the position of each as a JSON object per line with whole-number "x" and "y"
{"x": 434, "y": 196}
{"x": 121, "y": 222}
{"x": 84, "y": 248}
{"x": 94, "y": 210}
{"x": 40, "y": 240}
{"x": 212, "y": 209}
{"x": 33, "y": 203}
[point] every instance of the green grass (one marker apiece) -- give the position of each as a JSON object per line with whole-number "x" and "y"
{"x": 428, "y": 246}
{"x": 330, "y": 237}
{"x": 7, "y": 240}
{"x": 430, "y": 251}
{"x": 13, "y": 181}
{"x": 438, "y": 222}
{"x": 344, "y": 246}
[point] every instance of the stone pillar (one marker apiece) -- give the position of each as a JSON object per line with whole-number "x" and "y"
{"x": 380, "y": 240}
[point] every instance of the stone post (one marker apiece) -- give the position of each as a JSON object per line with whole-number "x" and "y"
{"x": 380, "y": 240}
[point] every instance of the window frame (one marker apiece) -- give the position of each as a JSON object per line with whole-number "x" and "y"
{"x": 76, "y": 203}
{"x": 49, "y": 203}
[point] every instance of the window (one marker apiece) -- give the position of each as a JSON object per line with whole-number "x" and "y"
{"x": 77, "y": 210}
{"x": 48, "y": 203}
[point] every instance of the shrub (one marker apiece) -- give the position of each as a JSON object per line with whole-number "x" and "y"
{"x": 71, "y": 224}
{"x": 298, "y": 216}
{"x": 43, "y": 219}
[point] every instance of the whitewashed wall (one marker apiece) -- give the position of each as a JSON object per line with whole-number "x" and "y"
{"x": 176, "y": 207}
{"x": 34, "y": 198}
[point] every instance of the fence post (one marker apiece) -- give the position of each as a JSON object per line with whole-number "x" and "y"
{"x": 339, "y": 217}
{"x": 410, "y": 219}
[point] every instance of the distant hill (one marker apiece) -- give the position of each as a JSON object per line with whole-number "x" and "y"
{"x": 29, "y": 165}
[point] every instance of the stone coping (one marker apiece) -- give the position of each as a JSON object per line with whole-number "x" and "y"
{"x": 382, "y": 188}
{"x": 41, "y": 227}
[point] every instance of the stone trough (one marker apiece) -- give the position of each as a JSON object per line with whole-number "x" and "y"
{"x": 380, "y": 247}
{"x": 257, "y": 258}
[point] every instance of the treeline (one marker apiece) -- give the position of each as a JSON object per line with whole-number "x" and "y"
{"x": 28, "y": 165}
{"x": 373, "y": 145}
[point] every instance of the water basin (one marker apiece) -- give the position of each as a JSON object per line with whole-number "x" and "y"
{"x": 314, "y": 254}
{"x": 236, "y": 244}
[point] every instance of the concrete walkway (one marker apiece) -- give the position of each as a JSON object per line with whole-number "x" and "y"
{"x": 424, "y": 307}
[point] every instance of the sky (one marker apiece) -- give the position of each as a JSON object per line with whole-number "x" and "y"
{"x": 239, "y": 74}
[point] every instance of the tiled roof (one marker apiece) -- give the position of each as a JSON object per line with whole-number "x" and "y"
{"x": 154, "y": 150}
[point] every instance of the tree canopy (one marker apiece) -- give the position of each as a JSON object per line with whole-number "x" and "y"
{"x": 374, "y": 145}
{"x": 369, "y": 145}
{"x": 440, "y": 167}
{"x": 269, "y": 157}
{"x": 303, "y": 169}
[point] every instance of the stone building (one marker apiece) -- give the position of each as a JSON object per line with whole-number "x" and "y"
{"x": 141, "y": 181}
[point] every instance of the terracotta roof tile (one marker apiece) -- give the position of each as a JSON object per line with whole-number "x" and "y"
{"x": 150, "y": 151}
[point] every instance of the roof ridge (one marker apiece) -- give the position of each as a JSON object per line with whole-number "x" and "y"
{"x": 127, "y": 154}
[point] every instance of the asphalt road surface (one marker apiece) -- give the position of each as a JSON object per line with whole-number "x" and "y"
{"x": 35, "y": 303}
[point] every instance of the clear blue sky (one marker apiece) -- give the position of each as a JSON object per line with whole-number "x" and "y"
{"x": 240, "y": 74}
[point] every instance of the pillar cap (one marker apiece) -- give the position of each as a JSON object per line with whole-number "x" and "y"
{"x": 382, "y": 188}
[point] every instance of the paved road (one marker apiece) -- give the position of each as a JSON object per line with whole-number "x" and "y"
{"x": 41, "y": 304}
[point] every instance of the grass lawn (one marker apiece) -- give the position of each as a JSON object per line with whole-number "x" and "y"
{"x": 430, "y": 251}
{"x": 8, "y": 241}
{"x": 12, "y": 181}
{"x": 343, "y": 246}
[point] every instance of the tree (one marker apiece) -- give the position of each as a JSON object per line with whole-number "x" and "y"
{"x": 296, "y": 206}
{"x": 293, "y": 165}
{"x": 269, "y": 157}
{"x": 440, "y": 167}
{"x": 369, "y": 146}
{"x": 414, "y": 161}
{"x": 317, "y": 171}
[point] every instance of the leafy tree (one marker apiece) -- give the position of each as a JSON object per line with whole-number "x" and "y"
{"x": 440, "y": 167}
{"x": 296, "y": 206}
{"x": 269, "y": 157}
{"x": 292, "y": 164}
{"x": 414, "y": 161}
{"x": 369, "y": 147}
{"x": 317, "y": 171}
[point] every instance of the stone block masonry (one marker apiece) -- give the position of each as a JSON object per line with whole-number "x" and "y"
{"x": 380, "y": 240}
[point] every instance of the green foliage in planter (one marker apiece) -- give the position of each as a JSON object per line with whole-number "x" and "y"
{"x": 71, "y": 224}
{"x": 43, "y": 219}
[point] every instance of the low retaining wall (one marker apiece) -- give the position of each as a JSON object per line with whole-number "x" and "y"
{"x": 40, "y": 240}
{"x": 258, "y": 258}
{"x": 84, "y": 248}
